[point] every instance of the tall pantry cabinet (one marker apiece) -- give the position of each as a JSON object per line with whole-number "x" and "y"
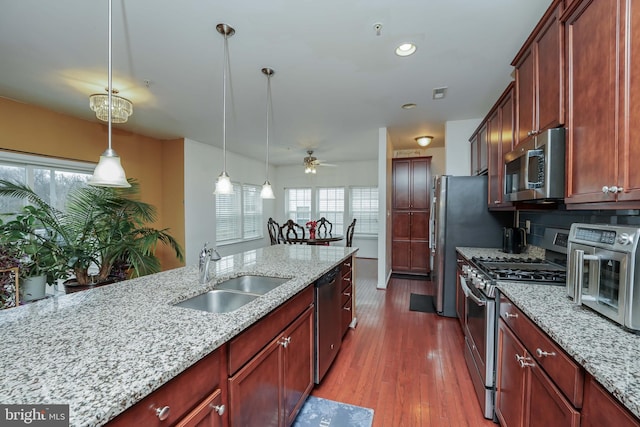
{"x": 410, "y": 215}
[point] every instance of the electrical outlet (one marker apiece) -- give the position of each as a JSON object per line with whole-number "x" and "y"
{"x": 527, "y": 226}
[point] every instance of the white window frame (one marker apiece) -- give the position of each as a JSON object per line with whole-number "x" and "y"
{"x": 294, "y": 215}
{"x": 361, "y": 217}
{"x": 336, "y": 217}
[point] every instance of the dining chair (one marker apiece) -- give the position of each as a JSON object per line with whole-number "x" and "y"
{"x": 292, "y": 233}
{"x": 324, "y": 225}
{"x": 274, "y": 231}
{"x": 349, "y": 233}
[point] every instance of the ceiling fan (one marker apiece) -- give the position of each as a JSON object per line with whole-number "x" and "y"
{"x": 310, "y": 162}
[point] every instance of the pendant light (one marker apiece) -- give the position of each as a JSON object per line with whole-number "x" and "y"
{"x": 223, "y": 183}
{"x": 109, "y": 171}
{"x": 267, "y": 191}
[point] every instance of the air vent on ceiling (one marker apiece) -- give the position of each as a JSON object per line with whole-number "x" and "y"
{"x": 439, "y": 92}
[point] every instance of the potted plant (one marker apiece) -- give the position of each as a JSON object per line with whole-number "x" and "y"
{"x": 9, "y": 270}
{"x": 102, "y": 226}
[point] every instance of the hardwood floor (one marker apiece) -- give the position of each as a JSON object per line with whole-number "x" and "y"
{"x": 407, "y": 366}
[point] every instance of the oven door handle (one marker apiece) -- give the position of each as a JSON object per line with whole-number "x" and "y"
{"x": 469, "y": 294}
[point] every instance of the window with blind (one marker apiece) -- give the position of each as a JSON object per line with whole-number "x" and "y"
{"x": 364, "y": 207}
{"x": 331, "y": 206}
{"x": 239, "y": 215}
{"x": 51, "y": 179}
{"x": 298, "y": 205}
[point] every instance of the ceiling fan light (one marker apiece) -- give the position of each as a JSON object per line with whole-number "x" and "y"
{"x": 267, "y": 191}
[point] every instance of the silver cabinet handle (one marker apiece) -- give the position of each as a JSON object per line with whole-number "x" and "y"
{"x": 508, "y": 315}
{"x": 218, "y": 408}
{"x": 524, "y": 361}
{"x": 346, "y": 279}
{"x": 347, "y": 308}
{"x": 162, "y": 413}
{"x": 346, "y": 294}
{"x": 541, "y": 353}
{"x": 285, "y": 342}
{"x": 613, "y": 189}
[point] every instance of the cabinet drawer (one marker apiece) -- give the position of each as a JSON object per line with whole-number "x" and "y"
{"x": 567, "y": 374}
{"x": 346, "y": 316}
{"x": 243, "y": 347}
{"x": 180, "y": 394}
{"x": 346, "y": 280}
{"x": 346, "y": 294}
{"x": 346, "y": 267}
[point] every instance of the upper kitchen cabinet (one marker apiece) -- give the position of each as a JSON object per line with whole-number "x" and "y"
{"x": 479, "y": 150}
{"x": 603, "y": 55}
{"x": 412, "y": 183}
{"x": 539, "y": 77}
{"x": 501, "y": 127}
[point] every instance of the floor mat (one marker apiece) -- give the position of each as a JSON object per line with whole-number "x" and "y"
{"x": 318, "y": 412}
{"x": 423, "y": 303}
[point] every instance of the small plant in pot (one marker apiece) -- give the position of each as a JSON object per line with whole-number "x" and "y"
{"x": 103, "y": 227}
{"x": 27, "y": 237}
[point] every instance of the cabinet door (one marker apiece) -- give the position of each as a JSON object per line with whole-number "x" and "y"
{"x": 510, "y": 380}
{"x": 420, "y": 184}
{"x": 601, "y": 409}
{"x": 419, "y": 257}
{"x": 401, "y": 225}
{"x": 208, "y": 413}
{"x": 419, "y": 225}
{"x": 550, "y": 87}
{"x": 401, "y": 255}
{"x": 298, "y": 364}
{"x": 592, "y": 35}
{"x": 525, "y": 94}
{"x": 401, "y": 183}
{"x": 496, "y": 170}
{"x": 255, "y": 392}
{"x": 547, "y": 406}
{"x": 483, "y": 150}
{"x": 475, "y": 167}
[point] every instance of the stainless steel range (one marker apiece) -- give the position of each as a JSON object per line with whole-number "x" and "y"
{"x": 478, "y": 309}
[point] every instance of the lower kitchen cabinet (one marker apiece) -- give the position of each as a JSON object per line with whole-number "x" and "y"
{"x": 269, "y": 388}
{"x": 600, "y": 409}
{"x": 193, "y": 398}
{"x": 347, "y": 295}
{"x": 511, "y": 379}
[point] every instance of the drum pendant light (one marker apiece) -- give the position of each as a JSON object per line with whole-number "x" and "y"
{"x": 267, "y": 191}
{"x": 223, "y": 183}
{"x": 109, "y": 171}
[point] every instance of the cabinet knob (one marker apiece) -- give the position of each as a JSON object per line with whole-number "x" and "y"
{"x": 613, "y": 189}
{"x": 508, "y": 315}
{"x": 218, "y": 408}
{"x": 162, "y": 413}
{"x": 346, "y": 279}
{"x": 285, "y": 342}
{"x": 495, "y": 202}
{"x": 346, "y": 294}
{"x": 524, "y": 361}
{"x": 541, "y": 353}
{"x": 347, "y": 308}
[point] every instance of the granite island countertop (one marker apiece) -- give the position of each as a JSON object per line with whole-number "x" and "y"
{"x": 103, "y": 350}
{"x": 603, "y": 348}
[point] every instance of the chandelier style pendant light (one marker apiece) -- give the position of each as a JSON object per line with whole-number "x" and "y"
{"x": 267, "y": 191}
{"x": 121, "y": 108}
{"x": 223, "y": 183}
{"x": 109, "y": 171}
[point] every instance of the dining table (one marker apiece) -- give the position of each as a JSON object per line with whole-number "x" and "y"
{"x": 318, "y": 239}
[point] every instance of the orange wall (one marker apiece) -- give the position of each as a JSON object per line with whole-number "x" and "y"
{"x": 158, "y": 165}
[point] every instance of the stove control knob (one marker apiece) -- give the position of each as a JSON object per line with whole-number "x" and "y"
{"x": 625, "y": 239}
{"x": 482, "y": 284}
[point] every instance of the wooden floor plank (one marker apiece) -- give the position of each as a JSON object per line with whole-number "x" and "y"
{"x": 407, "y": 366}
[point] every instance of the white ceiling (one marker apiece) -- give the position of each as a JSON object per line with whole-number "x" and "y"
{"x": 335, "y": 83}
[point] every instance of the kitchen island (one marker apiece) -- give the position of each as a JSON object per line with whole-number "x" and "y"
{"x": 103, "y": 350}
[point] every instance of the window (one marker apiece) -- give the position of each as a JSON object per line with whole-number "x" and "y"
{"x": 51, "y": 179}
{"x": 239, "y": 215}
{"x": 331, "y": 206}
{"x": 298, "y": 205}
{"x": 364, "y": 207}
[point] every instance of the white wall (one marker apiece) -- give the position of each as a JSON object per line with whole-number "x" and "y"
{"x": 203, "y": 164}
{"x": 458, "y": 147}
{"x": 437, "y": 155}
{"x": 385, "y": 156}
{"x": 345, "y": 174}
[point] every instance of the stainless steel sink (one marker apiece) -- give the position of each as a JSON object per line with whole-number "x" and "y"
{"x": 252, "y": 284}
{"x": 218, "y": 301}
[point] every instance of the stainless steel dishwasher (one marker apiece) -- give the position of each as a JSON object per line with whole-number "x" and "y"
{"x": 328, "y": 319}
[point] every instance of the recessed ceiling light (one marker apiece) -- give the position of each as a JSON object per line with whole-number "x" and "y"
{"x": 439, "y": 92}
{"x": 406, "y": 49}
{"x": 423, "y": 141}
{"x": 409, "y": 106}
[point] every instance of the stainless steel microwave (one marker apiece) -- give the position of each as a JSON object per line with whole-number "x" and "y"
{"x": 535, "y": 170}
{"x": 602, "y": 262}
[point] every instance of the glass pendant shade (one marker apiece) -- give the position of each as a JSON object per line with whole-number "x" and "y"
{"x": 121, "y": 108}
{"x": 223, "y": 184}
{"x": 267, "y": 191}
{"x": 109, "y": 172}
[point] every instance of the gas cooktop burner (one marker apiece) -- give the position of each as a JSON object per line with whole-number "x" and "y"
{"x": 521, "y": 269}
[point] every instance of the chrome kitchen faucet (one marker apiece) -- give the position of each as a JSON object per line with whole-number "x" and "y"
{"x": 206, "y": 255}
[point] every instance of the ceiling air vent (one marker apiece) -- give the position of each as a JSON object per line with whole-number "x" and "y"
{"x": 439, "y": 92}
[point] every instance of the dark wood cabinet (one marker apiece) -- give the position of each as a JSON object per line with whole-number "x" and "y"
{"x": 410, "y": 215}
{"x": 510, "y": 380}
{"x": 479, "y": 150}
{"x": 602, "y": 141}
{"x": 601, "y": 409}
{"x": 271, "y": 366}
{"x": 501, "y": 127}
{"x": 539, "y": 70}
{"x": 207, "y": 414}
{"x": 348, "y": 295}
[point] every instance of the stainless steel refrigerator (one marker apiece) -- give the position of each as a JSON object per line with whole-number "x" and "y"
{"x": 460, "y": 217}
